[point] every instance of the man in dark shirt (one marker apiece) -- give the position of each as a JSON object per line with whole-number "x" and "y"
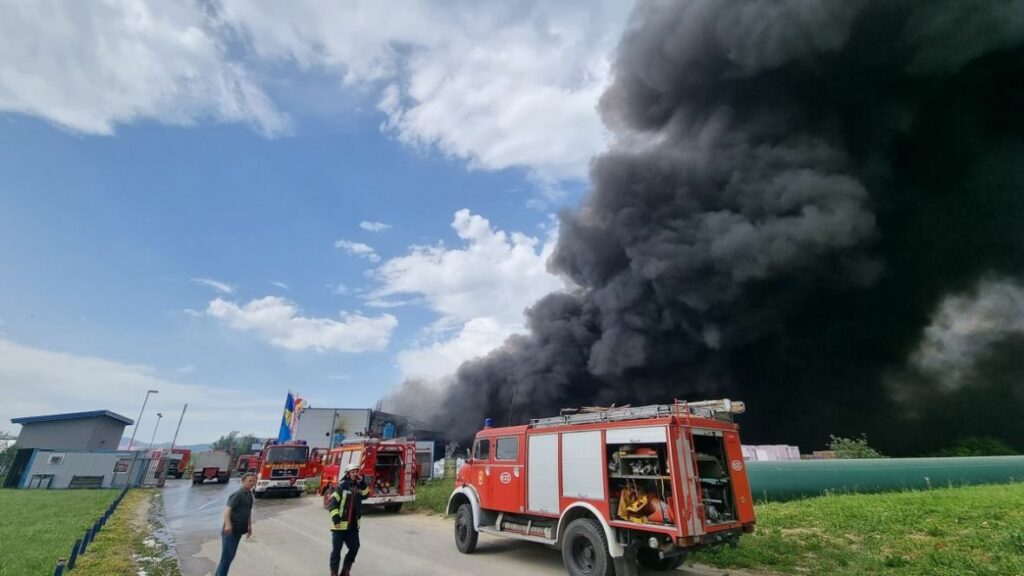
{"x": 237, "y": 521}
{"x": 346, "y": 508}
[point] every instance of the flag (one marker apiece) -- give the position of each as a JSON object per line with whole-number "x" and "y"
{"x": 299, "y": 407}
{"x": 285, "y": 432}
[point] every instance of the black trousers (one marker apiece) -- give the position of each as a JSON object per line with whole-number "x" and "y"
{"x": 348, "y": 538}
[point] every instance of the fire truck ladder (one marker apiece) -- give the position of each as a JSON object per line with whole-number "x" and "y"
{"x": 704, "y": 409}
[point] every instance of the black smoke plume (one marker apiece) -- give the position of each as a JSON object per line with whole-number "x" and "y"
{"x": 795, "y": 189}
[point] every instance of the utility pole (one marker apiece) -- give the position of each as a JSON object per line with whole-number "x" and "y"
{"x": 139, "y": 419}
{"x": 131, "y": 470}
{"x": 174, "y": 441}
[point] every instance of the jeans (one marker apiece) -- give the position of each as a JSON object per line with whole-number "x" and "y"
{"x": 349, "y": 538}
{"x": 229, "y": 545}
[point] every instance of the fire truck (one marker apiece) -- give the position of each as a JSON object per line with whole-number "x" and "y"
{"x": 610, "y": 487}
{"x": 247, "y": 463}
{"x": 283, "y": 468}
{"x": 388, "y": 467}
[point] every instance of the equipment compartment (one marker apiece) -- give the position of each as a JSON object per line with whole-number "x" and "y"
{"x": 715, "y": 485}
{"x": 639, "y": 484}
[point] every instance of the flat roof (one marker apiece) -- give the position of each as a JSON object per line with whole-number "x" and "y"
{"x": 72, "y": 416}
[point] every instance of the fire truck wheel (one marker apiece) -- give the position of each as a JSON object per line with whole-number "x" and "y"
{"x": 648, "y": 558}
{"x": 393, "y": 508}
{"x": 585, "y": 549}
{"x": 465, "y": 533}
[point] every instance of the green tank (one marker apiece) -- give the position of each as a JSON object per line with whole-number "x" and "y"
{"x": 789, "y": 479}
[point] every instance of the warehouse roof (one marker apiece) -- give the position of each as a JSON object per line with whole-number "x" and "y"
{"x": 72, "y": 416}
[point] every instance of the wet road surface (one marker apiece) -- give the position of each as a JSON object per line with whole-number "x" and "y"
{"x": 291, "y": 537}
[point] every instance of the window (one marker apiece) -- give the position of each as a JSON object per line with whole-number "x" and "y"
{"x": 482, "y": 449}
{"x": 55, "y": 459}
{"x": 506, "y": 449}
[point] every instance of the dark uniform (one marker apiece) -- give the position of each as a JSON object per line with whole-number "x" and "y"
{"x": 346, "y": 507}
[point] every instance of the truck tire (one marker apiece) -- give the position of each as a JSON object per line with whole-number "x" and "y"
{"x": 648, "y": 558}
{"x": 465, "y": 533}
{"x": 393, "y": 508}
{"x": 585, "y": 549}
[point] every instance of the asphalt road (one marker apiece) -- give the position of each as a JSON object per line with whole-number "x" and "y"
{"x": 291, "y": 537}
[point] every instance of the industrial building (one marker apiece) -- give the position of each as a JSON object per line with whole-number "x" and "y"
{"x": 73, "y": 450}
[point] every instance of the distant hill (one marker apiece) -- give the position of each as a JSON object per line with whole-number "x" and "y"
{"x": 145, "y": 446}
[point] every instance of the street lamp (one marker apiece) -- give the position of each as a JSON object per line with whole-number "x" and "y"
{"x": 158, "y": 417}
{"x": 139, "y": 420}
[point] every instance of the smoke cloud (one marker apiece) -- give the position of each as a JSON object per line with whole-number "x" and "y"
{"x": 798, "y": 193}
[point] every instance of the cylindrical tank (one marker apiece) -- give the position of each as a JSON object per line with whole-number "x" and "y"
{"x": 789, "y": 479}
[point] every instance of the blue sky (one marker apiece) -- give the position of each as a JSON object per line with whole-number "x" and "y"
{"x": 233, "y": 203}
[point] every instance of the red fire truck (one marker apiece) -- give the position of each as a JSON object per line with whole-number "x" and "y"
{"x": 610, "y": 487}
{"x": 283, "y": 468}
{"x": 388, "y": 467}
{"x": 247, "y": 463}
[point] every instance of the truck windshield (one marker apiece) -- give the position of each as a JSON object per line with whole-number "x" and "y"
{"x": 287, "y": 454}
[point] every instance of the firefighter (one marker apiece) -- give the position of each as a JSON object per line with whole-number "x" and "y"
{"x": 346, "y": 508}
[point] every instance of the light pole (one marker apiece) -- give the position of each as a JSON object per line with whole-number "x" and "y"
{"x": 139, "y": 420}
{"x": 158, "y": 417}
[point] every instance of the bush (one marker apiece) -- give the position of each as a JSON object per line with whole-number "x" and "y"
{"x": 312, "y": 485}
{"x": 849, "y": 448}
{"x": 978, "y": 446}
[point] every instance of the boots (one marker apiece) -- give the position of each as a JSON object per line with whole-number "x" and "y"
{"x": 346, "y": 569}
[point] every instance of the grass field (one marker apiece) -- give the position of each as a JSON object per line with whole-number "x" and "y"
{"x": 431, "y": 497}
{"x": 39, "y": 526}
{"x": 970, "y": 531}
{"x": 125, "y": 546}
{"x": 977, "y": 530}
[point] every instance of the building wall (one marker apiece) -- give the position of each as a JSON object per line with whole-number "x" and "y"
{"x": 317, "y": 425}
{"x": 77, "y": 463}
{"x": 83, "y": 434}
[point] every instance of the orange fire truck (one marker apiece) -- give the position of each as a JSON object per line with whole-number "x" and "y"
{"x": 388, "y": 467}
{"x": 283, "y": 468}
{"x": 610, "y": 487}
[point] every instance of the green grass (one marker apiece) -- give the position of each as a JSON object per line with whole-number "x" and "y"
{"x": 124, "y": 546}
{"x": 432, "y": 497}
{"x": 977, "y": 530}
{"x": 39, "y": 526}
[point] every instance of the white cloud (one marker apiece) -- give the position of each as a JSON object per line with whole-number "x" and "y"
{"x": 187, "y": 369}
{"x": 88, "y": 66}
{"x": 281, "y": 285}
{"x": 217, "y": 285}
{"x": 35, "y": 381}
{"x": 279, "y": 322}
{"x": 480, "y": 291}
{"x": 358, "y": 249}
{"x": 496, "y": 274}
{"x": 499, "y": 85}
{"x": 433, "y": 361}
{"x": 374, "y": 226}
{"x": 339, "y": 289}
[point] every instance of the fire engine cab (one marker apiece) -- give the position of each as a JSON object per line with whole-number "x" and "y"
{"x": 283, "y": 468}
{"x": 610, "y": 487}
{"x": 387, "y": 466}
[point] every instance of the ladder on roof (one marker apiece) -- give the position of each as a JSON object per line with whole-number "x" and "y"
{"x": 703, "y": 409}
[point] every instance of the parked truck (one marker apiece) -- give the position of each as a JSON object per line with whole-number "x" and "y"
{"x": 247, "y": 463}
{"x": 212, "y": 465}
{"x": 177, "y": 462}
{"x": 610, "y": 487}
{"x": 388, "y": 467}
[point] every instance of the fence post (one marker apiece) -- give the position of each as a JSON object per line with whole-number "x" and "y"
{"x": 74, "y": 554}
{"x": 59, "y": 570}
{"x": 85, "y": 542}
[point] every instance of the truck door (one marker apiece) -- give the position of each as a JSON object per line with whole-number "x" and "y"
{"x": 481, "y": 469}
{"x": 506, "y": 481}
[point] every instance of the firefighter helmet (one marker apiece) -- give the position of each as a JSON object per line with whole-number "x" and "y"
{"x": 351, "y": 467}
